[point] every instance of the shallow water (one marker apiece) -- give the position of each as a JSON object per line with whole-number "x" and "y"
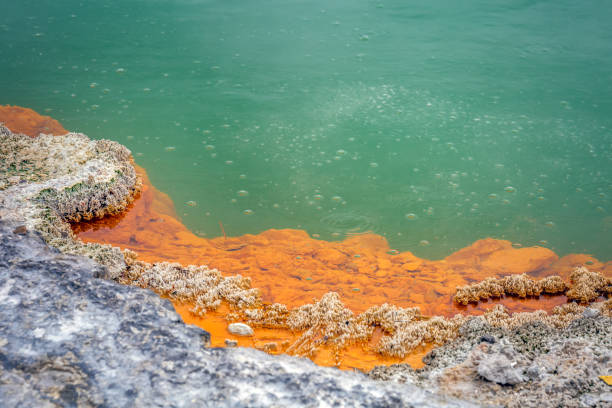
{"x": 432, "y": 123}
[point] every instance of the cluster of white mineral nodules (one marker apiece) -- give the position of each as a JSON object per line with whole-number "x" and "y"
{"x": 205, "y": 288}
{"x": 588, "y": 286}
{"x": 513, "y": 285}
{"x": 560, "y": 317}
{"x": 585, "y": 286}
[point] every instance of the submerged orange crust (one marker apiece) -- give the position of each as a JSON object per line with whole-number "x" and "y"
{"x": 28, "y": 122}
{"x": 292, "y": 268}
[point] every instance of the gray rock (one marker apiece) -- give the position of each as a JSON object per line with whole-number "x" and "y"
{"x": 231, "y": 343}
{"x": 590, "y": 312}
{"x": 548, "y": 367}
{"x": 499, "y": 363}
{"x": 240, "y": 329}
{"x": 68, "y": 338}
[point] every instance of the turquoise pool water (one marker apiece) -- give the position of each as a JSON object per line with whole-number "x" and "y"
{"x": 433, "y": 123}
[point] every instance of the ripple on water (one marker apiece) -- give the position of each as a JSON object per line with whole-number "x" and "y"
{"x": 349, "y": 223}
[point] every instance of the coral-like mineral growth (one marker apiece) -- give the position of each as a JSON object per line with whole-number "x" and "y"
{"x": 585, "y": 286}
{"x": 205, "y": 288}
{"x": 588, "y": 286}
{"x": 512, "y": 285}
{"x": 327, "y": 322}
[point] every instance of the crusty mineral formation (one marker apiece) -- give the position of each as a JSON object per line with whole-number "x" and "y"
{"x": 588, "y": 286}
{"x": 585, "y": 286}
{"x": 47, "y": 181}
{"x": 521, "y": 360}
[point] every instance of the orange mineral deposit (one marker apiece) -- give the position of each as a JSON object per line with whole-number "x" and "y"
{"x": 290, "y": 267}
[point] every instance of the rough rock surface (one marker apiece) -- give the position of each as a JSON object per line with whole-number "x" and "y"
{"x": 49, "y": 180}
{"x": 533, "y": 365}
{"x": 69, "y": 338}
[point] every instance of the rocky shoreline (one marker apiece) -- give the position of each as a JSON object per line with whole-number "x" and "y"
{"x": 71, "y": 335}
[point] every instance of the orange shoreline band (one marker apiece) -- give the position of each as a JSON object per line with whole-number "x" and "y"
{"x": 290, "y": 267}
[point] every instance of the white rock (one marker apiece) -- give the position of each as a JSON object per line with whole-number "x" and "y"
{"x": 240, "y": 329}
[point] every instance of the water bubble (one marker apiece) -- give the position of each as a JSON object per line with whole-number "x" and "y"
{"x": 229, "y": 162}
{"x": 543, "y": 242}
{"x": 275, "y": 205}
{"x": 120, "y": 70}
{"x": 373, "y": 165}
{"x": 209, "y": 147}
{"x": 341, "y": 152}
{"x": 316, "y": 235}
{"x": 242, "y": 176}
{"x": 509, "y": 189}
{"x": 191, "y": 203}
{"x": 423, "y": 242}
{"x": 169, "y": 148}
{"x": 248, "y": 212}
{"x": 317, "y": 197}
{"x": 493, "y": 196}
{"x": 233, "y": 201}
{"x": 336, "y": 199}
{"x": 93, "y": 85}
{"x": 410, "y": 216}
{"x": 243, "y": 193}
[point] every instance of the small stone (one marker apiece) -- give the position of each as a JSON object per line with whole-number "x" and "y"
{"x": 268, "y": 347}
{"x": 499, "y": 369}
{"x": 20, "y": 230}
{"x": 590, "y": 313}
{"x": 487, "y": 338}
{"x": 240, "y": 329}
{"x": 231, "y": 343}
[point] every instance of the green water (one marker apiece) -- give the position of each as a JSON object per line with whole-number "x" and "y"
{"x": 434, "y": 123}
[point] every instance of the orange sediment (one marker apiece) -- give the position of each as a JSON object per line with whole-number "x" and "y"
{"x": 360, "y": 356}
{"x": 290, "y": 267}
{"x": 28, "y": 122}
